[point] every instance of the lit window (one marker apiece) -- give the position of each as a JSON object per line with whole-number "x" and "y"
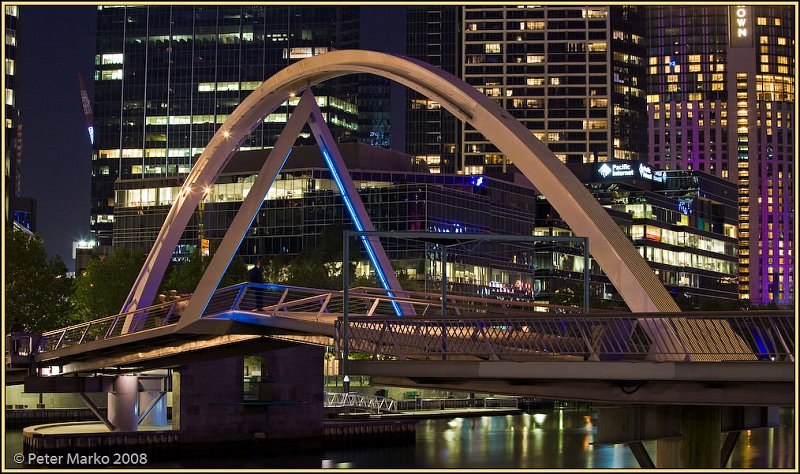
{"x": 115, "y": 58}
{"x": 597, "y": 47}
{"x": 10, "y": 97}
{"x": 113, "y": 75}
{"x": 10, "y": 67}
{"x": 299, "y": 53}
{"x": 532, "y": 58}
{"x": 492, "y": 47}
{"x": 761, "y": 21}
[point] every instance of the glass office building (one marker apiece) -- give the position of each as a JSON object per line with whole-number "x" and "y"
{"x": 683, "y": 223}
{"x": 721, "y": 99}
{"x": 433, "y": 135}
{"x": 304, "y": 201}
{"x": 18, "y": 209}
{"x": 167, "y": 76}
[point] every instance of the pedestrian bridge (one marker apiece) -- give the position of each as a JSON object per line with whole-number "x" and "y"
{"x": 478, "y": 344}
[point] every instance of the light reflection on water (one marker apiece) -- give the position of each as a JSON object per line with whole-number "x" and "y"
{"x": 541, "y": 440}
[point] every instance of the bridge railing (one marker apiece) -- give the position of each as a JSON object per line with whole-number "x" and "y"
{"x": 354, "y": 399}
{"x": 767, "y": 336}
{"x": 159, "y": 315}
{"x": 365, "y": 301}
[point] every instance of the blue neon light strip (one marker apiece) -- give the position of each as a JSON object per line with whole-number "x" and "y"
{"x": 359, "y": 226}
{"x": 249, "y": 224}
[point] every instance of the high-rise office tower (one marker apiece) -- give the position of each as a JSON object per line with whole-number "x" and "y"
{"x": 10, "y": 128}
{"x": 433, "y": 135}
{"x": 721, "y": 99}
{"x": 18, "y": 209}
{"x": 168, "y": 76}
{"x": 573, "y": 75}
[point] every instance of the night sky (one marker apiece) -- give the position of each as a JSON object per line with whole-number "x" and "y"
{"x": 54, "y": 44}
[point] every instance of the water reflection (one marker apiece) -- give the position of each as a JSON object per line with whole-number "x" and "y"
{"x": 541, "y": 440}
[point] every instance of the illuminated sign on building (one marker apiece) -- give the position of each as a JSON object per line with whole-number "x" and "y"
{"x": 685, "y": 207}
{"x": 741, "y": 34}
{"x": 84, "y": 244}
{"x": 630, "y": 169}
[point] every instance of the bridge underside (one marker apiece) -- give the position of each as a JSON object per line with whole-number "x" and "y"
{"x": 234, "y": 333}
{"x": 681, "y": 383}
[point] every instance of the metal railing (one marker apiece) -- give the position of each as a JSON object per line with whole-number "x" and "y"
{"x": 422, "y": 404}
{"x": 163, "y": 314}
{"x": 358, "y": 400}
{"x": 752, "y": 335}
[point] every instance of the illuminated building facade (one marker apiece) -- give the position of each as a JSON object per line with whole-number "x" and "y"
{"x": 304, "y": 201}
{"x": 721, "y": 99}
{"x": 168, "y": 76}
{"x": 573, "y": 75}
{"x": 433, "y": 135}
{"x": 10, "y": 18}
{"x": 682, "y": 222}
{"x": 18, "y": 209}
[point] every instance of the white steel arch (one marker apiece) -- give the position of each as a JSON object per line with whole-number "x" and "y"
{"x": 627, "y": 270}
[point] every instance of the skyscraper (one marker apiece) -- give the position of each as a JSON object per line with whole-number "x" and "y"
{"x": 10, "y": 113}
{"x": 573, "y": 75}
{"x": 433, "y": 135}
{"x": 18, "y": 209}
{"x": 721, "y": 99}
{"x": 167, "y": 76}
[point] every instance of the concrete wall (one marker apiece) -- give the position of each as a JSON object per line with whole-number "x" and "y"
{"x": 208, "y": 401}
{"x": 297, "y": 376}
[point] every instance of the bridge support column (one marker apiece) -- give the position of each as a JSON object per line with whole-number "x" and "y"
{"x": 209, "y": 405}
{"x": 122, "y": 406}
{"x": 699, "y": 448}
{"x": 157, "y": 416}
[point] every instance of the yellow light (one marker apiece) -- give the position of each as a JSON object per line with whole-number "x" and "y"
{"x": 207, "y": 190}
{"x": 226, "y": 134}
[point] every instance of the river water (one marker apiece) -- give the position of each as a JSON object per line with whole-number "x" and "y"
{"x": 547, "y": 439}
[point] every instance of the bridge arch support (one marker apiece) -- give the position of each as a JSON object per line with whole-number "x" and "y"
{"x": 627, "y": 270}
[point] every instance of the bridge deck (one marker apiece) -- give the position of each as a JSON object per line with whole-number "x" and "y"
{"x": 489, "y": 334}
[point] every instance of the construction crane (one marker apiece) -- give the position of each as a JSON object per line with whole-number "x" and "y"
{"x": 87, "y": 109}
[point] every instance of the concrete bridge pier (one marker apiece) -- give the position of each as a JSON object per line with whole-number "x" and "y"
{"x": 208, "y": 404}
{"x": 700, "y": 444}
{"x": 123, "y": 410}
{"x": 686, "y": 436}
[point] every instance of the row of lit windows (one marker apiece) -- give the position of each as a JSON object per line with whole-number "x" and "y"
{"x": 148, "y": 153}
{"x": 670, "y": 61}
{"x": 762, "y": 21}
{"x": 227, "y": 86}
{"x": 290, "y": 188}
{"x": 688, "y": 260}
{"x": 685, "y": 239}
{"x": 573, "y": 47}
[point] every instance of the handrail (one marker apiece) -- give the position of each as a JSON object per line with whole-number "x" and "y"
{"x": 763, "y": 336}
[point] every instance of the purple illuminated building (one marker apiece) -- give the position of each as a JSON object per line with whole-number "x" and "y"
{"x": 721, "y": 99}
